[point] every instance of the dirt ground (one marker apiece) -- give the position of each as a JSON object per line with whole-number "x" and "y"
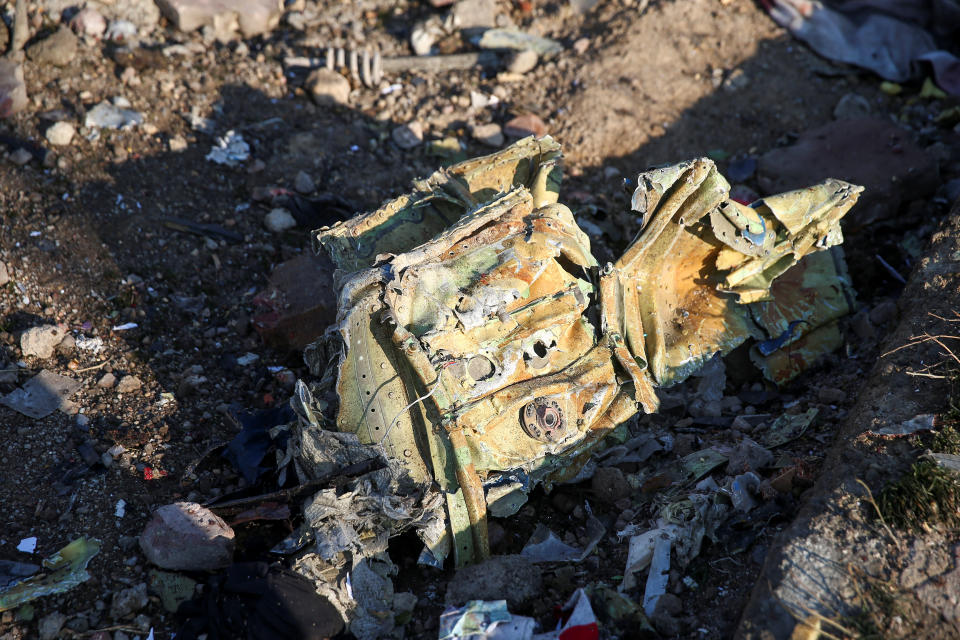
{"x": 84, "y": 239}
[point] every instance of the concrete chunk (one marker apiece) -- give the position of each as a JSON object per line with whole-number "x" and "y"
{"x": 187, "y": 537}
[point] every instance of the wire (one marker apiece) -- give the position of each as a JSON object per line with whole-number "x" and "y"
{"x": 406, "y": 408}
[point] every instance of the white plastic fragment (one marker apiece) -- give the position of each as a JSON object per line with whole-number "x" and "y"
{"x": 93, "y": 345}
{"x": 121, "y": 508}
{"x": 659, "y": 573}
{"x": 28, "y": 545}
{"x": 231, "y": 150}
{"x": 109, "y": 116}
{"x": 125, "y": 326}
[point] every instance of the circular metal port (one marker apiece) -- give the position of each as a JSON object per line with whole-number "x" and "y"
{"x": 543, "y": 420}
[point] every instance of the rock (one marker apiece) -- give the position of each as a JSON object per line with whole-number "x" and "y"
{"x": 127, "y": 602}
{"x": 21, "y": 156}
{"x": 831, "y": 395}
{"x": 60, "y": 134}
{"x": 41, "y": 341}
{"x": 13, "y": 90}
{"x": 866, "y": 151}
{"x": 861, "y": 325}
{"x": 304, "y": 183}
{"x": 522, "y": 61}
{"x": 851, "y": 105}
{"x": 88, "y": 22}
{"x": 581, "y": 45}
{"x": 185, "y": 536}
{"x": 513, "y": 578}
{"x": 884, "y": 312}
{"x": 735, "y": 81}
{"x": 107, "y": 381}
{"x": 473, "y": 14}
{"x": 748, "y": 456}
{"x": 129, "y": 384}
{"x": 525, "y": 125}
{"x": 4, "y": 274}
{"x": 177, "y": 143}
{"x": 327, "y": 87}
{"x": 664, "y": 614}
{"x": 488, "y": 134}
{"x": 50, "y": 625}
{"x": 67, "y": 346}
{"x": 252, "y": 17}
{"x": 279, "y": 220}
{"x": 609, "y": 485}
{"x": 424, "y": 36}
{"x": 57, "y": 49}
{"x": 298, "y": 304}
{"x": 408, "y": 136}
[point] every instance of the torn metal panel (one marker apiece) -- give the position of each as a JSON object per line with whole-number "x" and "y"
{"x": 487, "y": 351}
{"x": 441, "y": 200}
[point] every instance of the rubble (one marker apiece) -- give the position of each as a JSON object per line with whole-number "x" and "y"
{"x": 249, "y": 17}
{"x": 41, "y": 341}
{"x": 189, "y": 537}
{"x": 456, "y": 332}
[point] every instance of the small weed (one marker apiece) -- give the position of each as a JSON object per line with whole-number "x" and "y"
{"x": 924, "y": 496}
{"x": 877, "y": 605}
{"x": 946, "y": 439}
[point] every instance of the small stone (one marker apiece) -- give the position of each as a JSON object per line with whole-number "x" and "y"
{"x": 472, "y": 14}
{"x": 279, "y": 220}
{"x": 129, "y": 384}
{"x": 861, "y": 325}
{"x": 408, "y": 136}
{"x": 41, "y": 341}
{"x": 21, "y": 156}
{"x": 513, "y": 578}
{"x": 177, "y": 143}
{"x": 581, "y": 45}
{"x": 88, "y": 22}
{"x": 327, "y": 87}
{"x": 185, "y": 536}
{"x": 60, "y": 134}
{"x": 422, "y": 38}
{"x": 128, "y": 601}
{"x": 67, "y": 346}
{"x": 13, "y": 91}
{"x": 609, "y": 485}
{"x": 525, "y": 125}
{"x": 488, "y": 134}
{"x": 522, "y": 61}
{"x": 253, "y": 17}
{"x": 304, "y": 183}
{"x": 107, "y": 381}
{"x": 831, "y": 395}
{"x": 851, "y": 105}
{"x": 4, "y": 274}
{"x": 50, "y": 625}
{"x": 735, "y": 81}
{"x": 883, "y": 313}
{"x": 57, "y": 49}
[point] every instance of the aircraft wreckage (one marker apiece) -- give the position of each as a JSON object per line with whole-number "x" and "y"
{"x": 481, "y": 349}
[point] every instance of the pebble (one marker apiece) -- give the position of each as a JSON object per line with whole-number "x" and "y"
{"x": 525, "y": 125}
{"x": 107, "y": 381}
{"x": 279, "y": 220}
{"x": 50, "y": 625}
{"x": 471, "y": 14}
{"x": 57, "y": 49}
{"x": 128, "y": 601}
{"x": 88, "y": 22}
{"x": 177, "y": 143}
{"x": 831, "y": 395}
{"x": 735, "y": 81}
{"x": 187, "y": 537}
{"x": 488, "y": 134}
{"x": 304, "y": 183}
{"x": 884, "y": 312}
{"x": 522, "y": 61}
{"x": 128, "y": 384}
{"x": 21, "y": 156}
{"x": 60, "y": 134}
{"x": 851, "y": 105}
{"x": 327, "y": 87}
{"x": 4, "y": 274}
{"x": 13, "y": 90}
{"x": 408, "y": 136}
{"x": 41, "y": 341}
{"x": 581, "y": 45}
